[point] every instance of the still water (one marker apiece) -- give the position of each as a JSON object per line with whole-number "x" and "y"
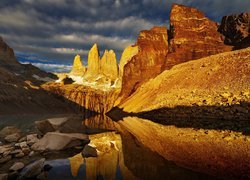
{"x": 120, "y": 154}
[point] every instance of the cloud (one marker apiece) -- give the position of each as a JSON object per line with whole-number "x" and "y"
{"x": 57, "y": 30}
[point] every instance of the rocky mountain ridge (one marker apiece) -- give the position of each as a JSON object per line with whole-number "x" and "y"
{"x": 20, "y": 90}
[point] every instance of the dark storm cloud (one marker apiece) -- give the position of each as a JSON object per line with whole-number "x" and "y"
{"x": 56, "y": 30}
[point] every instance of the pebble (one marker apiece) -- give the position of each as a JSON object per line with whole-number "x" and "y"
{"x": 16, "y": 151}
{"x": 23, "y": 144}
{"x": 26, "y": 150}
{"x": 21, "y": 154}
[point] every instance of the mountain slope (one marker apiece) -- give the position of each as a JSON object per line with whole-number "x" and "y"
{"x": 218, "y": 80}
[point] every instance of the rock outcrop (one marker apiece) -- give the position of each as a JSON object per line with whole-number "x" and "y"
{"x": 93, "y": 63}
{"x": 147, "y": 63}
{"x": 192, "y": 36}
{"x": 127, "y": 55}
{"x": 108, "y": 65}
{"x": 236, "y": 29}
{"x": 78, "y": 68}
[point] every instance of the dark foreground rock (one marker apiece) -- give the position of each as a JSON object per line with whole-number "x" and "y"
{"x": 89, "y": 151}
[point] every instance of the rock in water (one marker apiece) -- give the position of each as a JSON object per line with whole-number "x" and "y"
{"x": 236, "y": 29}
{"x": 89, "y": 151}
{"x": 192, "y": 36}
{"x": 108, "y": 65}
{"x": 32, "y": 170}
{"x": 9, "y": 130}
{"x": 93, "y": 63}
{"x": 147, "y": 63}
{"x": 78, "y": 68}
{"x": 59, "y": 141}
{"x": 127, "y": 55}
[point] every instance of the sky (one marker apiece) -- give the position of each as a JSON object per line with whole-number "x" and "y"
{"x": 49, "y": 33}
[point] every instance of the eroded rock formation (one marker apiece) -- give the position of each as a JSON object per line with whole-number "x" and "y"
{"x": 236, "y": 29}
{"x": 108, "y": 65}
{"x": 147, "y": 63}
{"x": 93, "y": 63}
{"x": 192, "y": 36}
{"x": 78, "y": 68}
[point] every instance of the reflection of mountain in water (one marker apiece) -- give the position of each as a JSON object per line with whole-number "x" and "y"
{"x": 120, "y": 156}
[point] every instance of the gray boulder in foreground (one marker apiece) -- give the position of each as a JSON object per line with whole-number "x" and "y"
{"x": 55, "y": 141}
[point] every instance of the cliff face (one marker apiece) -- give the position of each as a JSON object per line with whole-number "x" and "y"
{"x": 236, "y": 29}
{"x": 192, "y": 36}
{"x": 108, "y": 65}
{"x": 78, "y": 68}
{"x": 147, "y": 63}
{"x": 88, "y": 98}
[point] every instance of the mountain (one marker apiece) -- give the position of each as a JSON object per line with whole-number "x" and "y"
{"x": 20, "y": 90}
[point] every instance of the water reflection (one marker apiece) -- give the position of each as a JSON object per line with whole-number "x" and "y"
{"x": 120, "y": 156}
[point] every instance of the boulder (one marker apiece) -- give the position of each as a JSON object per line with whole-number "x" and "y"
{"x": 33, "y": 169}
{"x": 9, "y": 130}
{"x": 192, "y": 36}
{"x": 147, "y": 63}
{"x": 54, "y": 141}
{"x": 78, "y": 68}
{"x": 16, "y": 166}
{"x": 89, "y": 151}
{"x": 236, "y": 29}
{"x": 13, "y": 137}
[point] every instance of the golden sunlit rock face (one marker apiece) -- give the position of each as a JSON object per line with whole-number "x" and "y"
{"x": 192, "y": 36}
{"x": 78, "y": 68}
{"x": 127, "y": 55}
{"x": 108, "y": 65}
{"x": 210, "y": 81}
{"x": 147, "y": 63}
{"x": 93, "y": 62}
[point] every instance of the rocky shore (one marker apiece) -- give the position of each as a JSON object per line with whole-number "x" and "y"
{"x": 24, "y": 155}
